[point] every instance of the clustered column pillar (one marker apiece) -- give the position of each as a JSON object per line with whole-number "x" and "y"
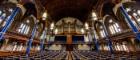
{"x": 29, "y": 43}
{"x": 95, "y": 40}
{"x": 108, "y": 38}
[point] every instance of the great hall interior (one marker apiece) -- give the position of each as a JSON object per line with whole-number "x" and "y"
{"x": 69, "y": 29}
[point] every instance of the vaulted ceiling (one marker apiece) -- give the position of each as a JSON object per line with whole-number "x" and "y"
{"x": 80, "y": 9}
{"x": 58, "y": 9}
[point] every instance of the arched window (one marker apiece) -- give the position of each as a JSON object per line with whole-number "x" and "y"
{"x": 102, "y": 32}
{"x": 118, "y": 47}
{"x": 4, "y": 15}
{"x": 24, "y": 27}
{"x": 5, "y": 12}
{"x": 124, "y": 45}
{"x": 121, "y": 47}
{"x": 114, "y": 27}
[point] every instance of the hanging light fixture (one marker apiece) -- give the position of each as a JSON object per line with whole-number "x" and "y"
{"x": 44, "y": 16}
{"x": 86, "y": 26}
{"x": 138, "y": 12}
{"x": 52, "y": 26}
{"x": 134, "y": 14}
{"x": 82, "y": 31}
{"x": 94, "y": 16}
{"x": 130, "y": 16}
{"x": 27, "y": 21}
{"x": 128, "y": 9}
{"x": 56, "y": 31}
{"x": 110, "y": 21}
{"x": 138, "y": 19}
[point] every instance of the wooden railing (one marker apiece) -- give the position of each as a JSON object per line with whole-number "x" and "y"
{"x": 20, "y": 37}
{"x": 124, "y": 34}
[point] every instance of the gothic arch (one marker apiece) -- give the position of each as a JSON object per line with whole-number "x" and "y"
{"x": 112, "y": 25}
{"x": 26, "y": 25}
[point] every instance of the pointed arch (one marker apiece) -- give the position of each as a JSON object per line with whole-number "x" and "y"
{"x": 26, "y": 25}
{"x": 112, "y": 25}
